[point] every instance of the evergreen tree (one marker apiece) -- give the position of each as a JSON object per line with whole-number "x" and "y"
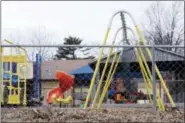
{"x": 68, "y": 53}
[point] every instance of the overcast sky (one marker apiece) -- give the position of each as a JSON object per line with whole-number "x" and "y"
{"x": 87, "y": 20}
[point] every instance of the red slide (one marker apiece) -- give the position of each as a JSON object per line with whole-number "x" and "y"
{"x": 65, "y": 83}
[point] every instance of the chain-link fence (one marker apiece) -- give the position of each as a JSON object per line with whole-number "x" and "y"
{"x": 40, "y": 82}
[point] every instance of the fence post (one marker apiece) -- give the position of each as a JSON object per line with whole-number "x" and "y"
{"x": 37, "y": 76}
{"x": 154, "y": 79}
{"x": 96, "y": 85}
{"x": 1, "y": 76}
{"x": 40, "y": 76}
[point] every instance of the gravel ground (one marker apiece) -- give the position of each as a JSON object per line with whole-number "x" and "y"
{"x": 54, "y": 114}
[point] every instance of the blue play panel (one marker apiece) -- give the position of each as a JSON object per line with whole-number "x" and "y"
{"x": 6, "y": 76}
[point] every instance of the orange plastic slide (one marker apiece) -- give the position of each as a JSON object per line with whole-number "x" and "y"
{"x": 65, "y": 83}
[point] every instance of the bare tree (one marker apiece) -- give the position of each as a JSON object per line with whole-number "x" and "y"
{"x": 16, "y": 38}
{"x": 34, "y": 37}
{"x": 38, "y": 37}
{"x": 166, "y": 24}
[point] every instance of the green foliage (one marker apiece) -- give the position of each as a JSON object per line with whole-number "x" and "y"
{"x": 68, "y": 53}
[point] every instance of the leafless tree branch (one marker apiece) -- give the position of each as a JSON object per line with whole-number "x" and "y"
{"x": 41, "y": 36}
{"x": 165, "y": 23}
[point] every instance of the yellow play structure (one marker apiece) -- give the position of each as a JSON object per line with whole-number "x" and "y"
{"x": 14, "y": 85}
{"x": 146, "y": 73}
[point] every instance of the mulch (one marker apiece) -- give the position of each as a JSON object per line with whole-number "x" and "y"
{"x": 56, "y": 114}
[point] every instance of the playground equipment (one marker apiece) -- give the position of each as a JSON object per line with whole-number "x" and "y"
{"x": 56, "y": 95}
{"x": 132, "y": 97}
{"x": 14, "y": 80}
{"x": 146, "y": 73}
{"x": 147, "y": 80}
{"x": 18, "y": 87}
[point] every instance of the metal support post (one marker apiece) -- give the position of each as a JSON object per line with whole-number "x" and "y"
{"x": 37, "y": 77}
{"x": 40, "y": 83}
{"x": 96, "y": 85}
{"x": 1, "y": 85}
{"x": 154, "y": 79}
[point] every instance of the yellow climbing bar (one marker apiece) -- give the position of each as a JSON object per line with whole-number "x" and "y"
{"x": 105, "y": 68}
{"x": 96, "y": 69}
{"x": 101, "y": 79}
{"x": 144, "y": 73}
{"x": 108, "y": 81}
{"x": 144, "y": 77}
{"x": 156, "y": 68}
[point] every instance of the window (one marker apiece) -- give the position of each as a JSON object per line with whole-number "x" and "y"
{"x": 14, "y": 67}
{"x": 6, "y": 66}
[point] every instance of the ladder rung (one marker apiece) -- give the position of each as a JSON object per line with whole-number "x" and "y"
{"x": 15, "y": 74}
{"x": 9, "y": 80}
{"x": 11, "y": 87}
{"x": 7, "y": 72}
{"x": 6, "y": 80}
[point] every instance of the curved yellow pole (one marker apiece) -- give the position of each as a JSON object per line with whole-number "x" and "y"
{"x": 104, "y": 69}
{"x": 108, "y": 81}
{"x": 96, "y": 70}
{"x": 144, "y": 73}
{"x": 150, "y": 55}
{"x": 101, "y": 52}
{"x": 148, "y": 73}
{"x": 139, "y": 51}
{"x": 146, "y": 78}
{"x": 156, "y": 68}
{"x": 11, "y": 43}
{"x": 140, "y": 62}
{"x": 19, "y": 48}
{"x": 109, "y": 27}
{"x": 112, "y": 70}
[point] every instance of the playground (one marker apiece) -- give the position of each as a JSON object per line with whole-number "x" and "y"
{"x": 126, "y": 85}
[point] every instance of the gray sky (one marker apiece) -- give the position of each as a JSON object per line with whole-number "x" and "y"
{"x": 87, "y": 20}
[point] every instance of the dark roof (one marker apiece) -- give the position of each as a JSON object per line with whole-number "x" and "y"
{"x": 50, "y": 67}
{"x": 129, "y": 55}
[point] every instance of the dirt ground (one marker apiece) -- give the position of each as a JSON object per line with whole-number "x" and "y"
{"x": 56, "y": 114}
